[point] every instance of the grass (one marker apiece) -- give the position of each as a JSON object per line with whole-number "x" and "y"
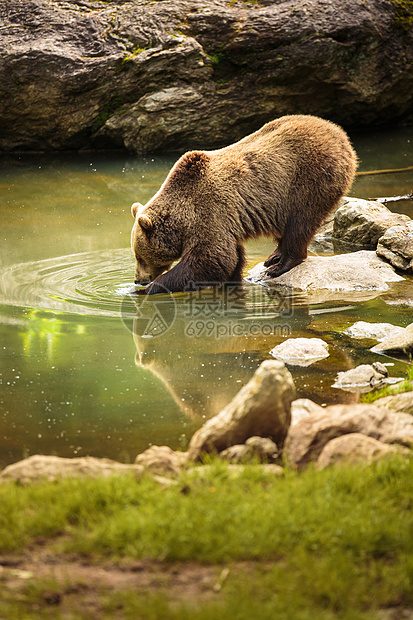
{"x": 336, "y": 543}
{"x": 404, "y": 386}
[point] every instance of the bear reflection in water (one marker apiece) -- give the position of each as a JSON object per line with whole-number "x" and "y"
{"x": 281, "y": 181}
{"x": 205, "y": 345}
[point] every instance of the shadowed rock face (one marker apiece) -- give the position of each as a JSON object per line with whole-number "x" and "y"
{"x": 176, "y": 74}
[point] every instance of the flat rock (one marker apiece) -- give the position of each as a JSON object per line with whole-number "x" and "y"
{"x": 364, "y": 378}
{"x": 262, "y": 408}
{"x": 397, "y": 402}
{"x": 357, "y": 271}
{"x": 363, "y": 222}
{"x": 396, "y": 246}
{"x": 300, "y": 351}
{"x": 355, "y": 448}
{"x": 38, "y": 467}
{"x": 378, "y": 331}
{"x": 400, "y": 345}
{"x": 307, "y": 438}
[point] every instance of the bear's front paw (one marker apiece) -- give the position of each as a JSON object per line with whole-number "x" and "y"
{"x": 273, "y": 259}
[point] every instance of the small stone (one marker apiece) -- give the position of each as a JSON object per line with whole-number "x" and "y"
{"x": 301, "y": 351}
{"x": 162, "y": 460}
{"x": 364, "y": 378}
{"x": 260, "y": 448}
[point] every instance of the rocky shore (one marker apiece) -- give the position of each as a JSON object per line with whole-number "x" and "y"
{"x": 178, "y": 74}
{"x": 265, "y": 422}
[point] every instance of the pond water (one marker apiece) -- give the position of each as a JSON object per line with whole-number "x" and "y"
{"x": 88, "y": 369}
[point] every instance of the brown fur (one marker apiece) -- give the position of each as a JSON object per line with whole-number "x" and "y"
{"x": 282, "y": 181}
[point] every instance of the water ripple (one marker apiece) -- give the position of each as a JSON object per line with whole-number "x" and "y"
{"x": 93, "y": 283}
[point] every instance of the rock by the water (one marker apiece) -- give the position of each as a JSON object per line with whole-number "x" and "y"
{"x": 376, "y": 331}
{"x": 260, "y": 448}
{"x": 396, "y": 246}
{"x": 38, "y": 467}
{"x": 179, "y": 74}
{"x": 364, "y": 378}
{"x": 307, "y": 438}
{"x": 357, "y": 271}
{"x": 262, "y": 407}
{"x": 300, "y": 351}
{"x": 402, "y": 402}
{"x": 355, "y": 448}
{"x": 400, "y": 345}
{"x": 162, "y": 460}
{"x": 363, "y": 222}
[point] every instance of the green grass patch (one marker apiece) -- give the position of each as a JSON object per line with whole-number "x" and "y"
{"x": 325, "y": 544}
{"x": 403, "y": 386}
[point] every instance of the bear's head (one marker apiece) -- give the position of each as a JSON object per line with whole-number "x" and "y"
{"x": 154, "y": 244}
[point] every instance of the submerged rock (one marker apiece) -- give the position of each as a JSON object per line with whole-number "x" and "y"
{"x": 358, "y": 271}
{"x": 179, "y": 74}
{"x": 300, "y": 351}
{"x": 396, "y": 246}
{"x": 355, "y": 448}
{"x": 378, "y": 331}
{"x": 307, "y": 438}
{"x": 400, "y": 345}
{"x": 363, "y": 222}
{"x": 262, "y": 407}
{"x": 364, "y": 378}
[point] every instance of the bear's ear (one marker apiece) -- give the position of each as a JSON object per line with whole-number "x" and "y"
{"x": 145, "y": 222}
{"x": 135, "y": 207}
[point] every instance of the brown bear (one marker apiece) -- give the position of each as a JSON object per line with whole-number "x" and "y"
{"x": 280, "y": 181}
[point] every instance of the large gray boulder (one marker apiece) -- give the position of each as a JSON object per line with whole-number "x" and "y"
{"x": 178, "y": 74}
{"x": 300, "y": 351}
{"x": 363, "y": 222}
{"x": 261, "y": 408}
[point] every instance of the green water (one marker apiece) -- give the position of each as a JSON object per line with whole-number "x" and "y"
{"x": 86, "y": 369}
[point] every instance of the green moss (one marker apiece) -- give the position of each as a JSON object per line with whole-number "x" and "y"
{"x": 109, "y": 109}
{"x": 403, "y": 13}
{"x": 404, "y": 386}
{"x": 138, "y": 50}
